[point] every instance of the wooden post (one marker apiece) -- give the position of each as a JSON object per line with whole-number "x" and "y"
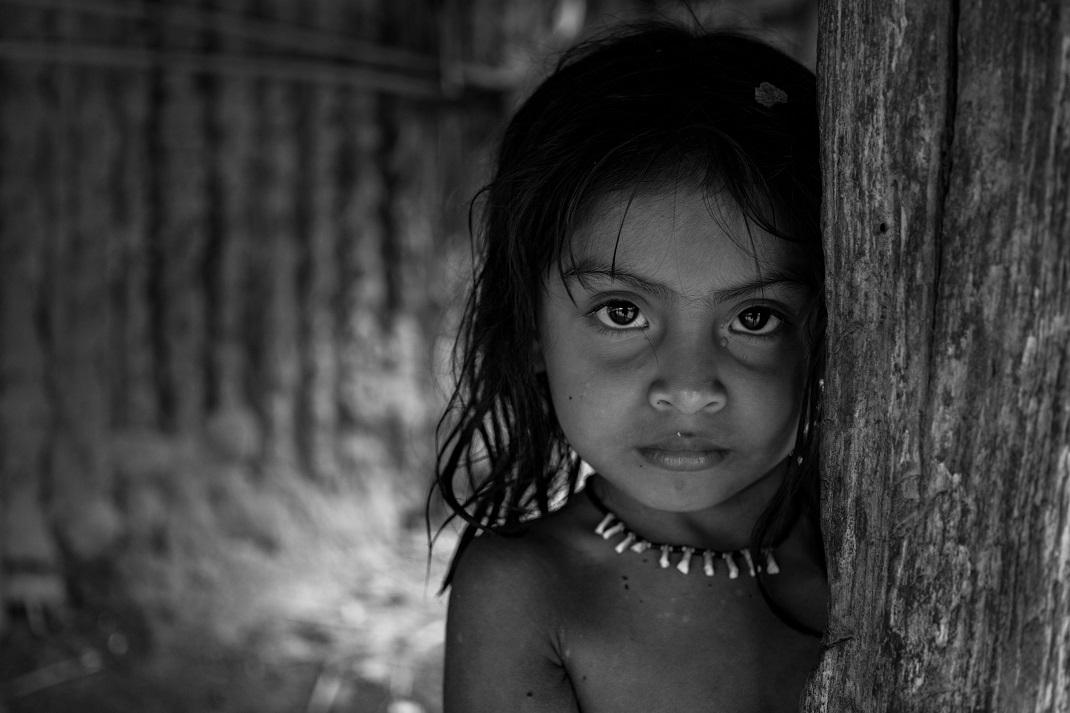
{"x": 946, "y": 132}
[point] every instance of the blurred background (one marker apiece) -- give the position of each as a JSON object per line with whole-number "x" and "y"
{"x": 233, "y": 247}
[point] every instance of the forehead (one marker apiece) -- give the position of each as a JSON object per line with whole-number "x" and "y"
{"x": 679, "y": 236}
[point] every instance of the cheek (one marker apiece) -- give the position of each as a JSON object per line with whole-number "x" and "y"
{"x": 588, "y": 397}
{"x": 577, "y": 389}
{"x": 773, "y": 396}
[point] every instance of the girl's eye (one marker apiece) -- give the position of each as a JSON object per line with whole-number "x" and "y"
{"x": 759, "y": 321}
{"x": 621, "y": 315}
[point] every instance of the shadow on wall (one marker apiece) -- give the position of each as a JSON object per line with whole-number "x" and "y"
{"x": 233, "y": 244}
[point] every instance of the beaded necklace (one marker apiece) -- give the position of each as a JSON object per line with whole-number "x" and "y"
{"x": 612, "y": 526}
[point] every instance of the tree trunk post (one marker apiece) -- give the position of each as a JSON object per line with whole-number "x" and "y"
{"x": 946, "y": 153}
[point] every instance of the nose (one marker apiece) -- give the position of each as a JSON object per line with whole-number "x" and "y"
{"x": 688, "y": 378}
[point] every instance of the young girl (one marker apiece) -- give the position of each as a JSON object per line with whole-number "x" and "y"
{"x": 649, "y": 307}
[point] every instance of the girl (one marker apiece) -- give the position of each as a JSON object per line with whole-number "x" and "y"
{"x": 649, "y": 306}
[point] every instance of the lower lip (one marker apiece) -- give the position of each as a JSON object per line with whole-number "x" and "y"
{"x": 681, "y": 460}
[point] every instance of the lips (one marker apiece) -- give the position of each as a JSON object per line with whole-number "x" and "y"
{"x": 686, "y": 453}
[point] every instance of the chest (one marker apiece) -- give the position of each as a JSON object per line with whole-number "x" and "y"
{"x": 657, "y": 643}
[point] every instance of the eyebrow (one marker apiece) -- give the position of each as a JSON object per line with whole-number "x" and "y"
{"x": 587, "y": 269}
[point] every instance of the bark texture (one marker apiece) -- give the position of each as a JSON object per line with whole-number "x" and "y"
{"x": 947, "y": 435}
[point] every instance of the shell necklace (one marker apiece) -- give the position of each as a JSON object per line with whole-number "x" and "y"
{"x": 612, "y": 526}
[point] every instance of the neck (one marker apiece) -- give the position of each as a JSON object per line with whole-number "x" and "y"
{"x": 725, "y": 526}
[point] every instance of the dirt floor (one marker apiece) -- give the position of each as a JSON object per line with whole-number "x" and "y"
{"x": 265, "y": 601}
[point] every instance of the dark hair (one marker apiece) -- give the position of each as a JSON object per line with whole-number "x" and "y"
{"x": 652, "y": 106}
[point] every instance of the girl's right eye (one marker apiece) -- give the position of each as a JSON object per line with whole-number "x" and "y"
{"x": 620, "y": 315}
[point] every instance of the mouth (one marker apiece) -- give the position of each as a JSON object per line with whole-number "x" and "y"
{"x": 685, "y": 453}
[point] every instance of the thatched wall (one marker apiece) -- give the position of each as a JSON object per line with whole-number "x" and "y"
{"x": 228, "y": 230}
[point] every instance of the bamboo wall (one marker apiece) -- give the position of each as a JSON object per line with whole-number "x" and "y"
{"x": 224, "y": 227}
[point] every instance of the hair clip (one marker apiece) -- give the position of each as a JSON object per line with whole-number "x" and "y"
{"x": 769, "y": 95}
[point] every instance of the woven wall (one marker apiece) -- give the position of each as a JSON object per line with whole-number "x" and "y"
{"x": 225, "y": 230}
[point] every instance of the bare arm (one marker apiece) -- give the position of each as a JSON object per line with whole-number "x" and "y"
{"x": 500, "y": 652}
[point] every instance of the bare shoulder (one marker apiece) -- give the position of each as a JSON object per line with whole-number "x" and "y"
{"x": 501, "y": 576}
{"x": 502, "y": 630}
{"x": 533, "y": 560}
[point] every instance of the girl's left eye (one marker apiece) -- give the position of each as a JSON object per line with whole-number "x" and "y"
{"x": 621, "y": 315}
{"x": 756, "y": 321}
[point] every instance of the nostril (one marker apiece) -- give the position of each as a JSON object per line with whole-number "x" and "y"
{"x": 688, "y": 400}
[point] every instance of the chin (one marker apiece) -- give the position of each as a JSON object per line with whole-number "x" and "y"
{"x": 685, "y": 497}
{"x": 726, "y": 491}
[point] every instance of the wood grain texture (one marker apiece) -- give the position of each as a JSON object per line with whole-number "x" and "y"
{"x": 947, "y": 449}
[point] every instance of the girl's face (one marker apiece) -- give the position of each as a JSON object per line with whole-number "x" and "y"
{"x": 674, "y": 355}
